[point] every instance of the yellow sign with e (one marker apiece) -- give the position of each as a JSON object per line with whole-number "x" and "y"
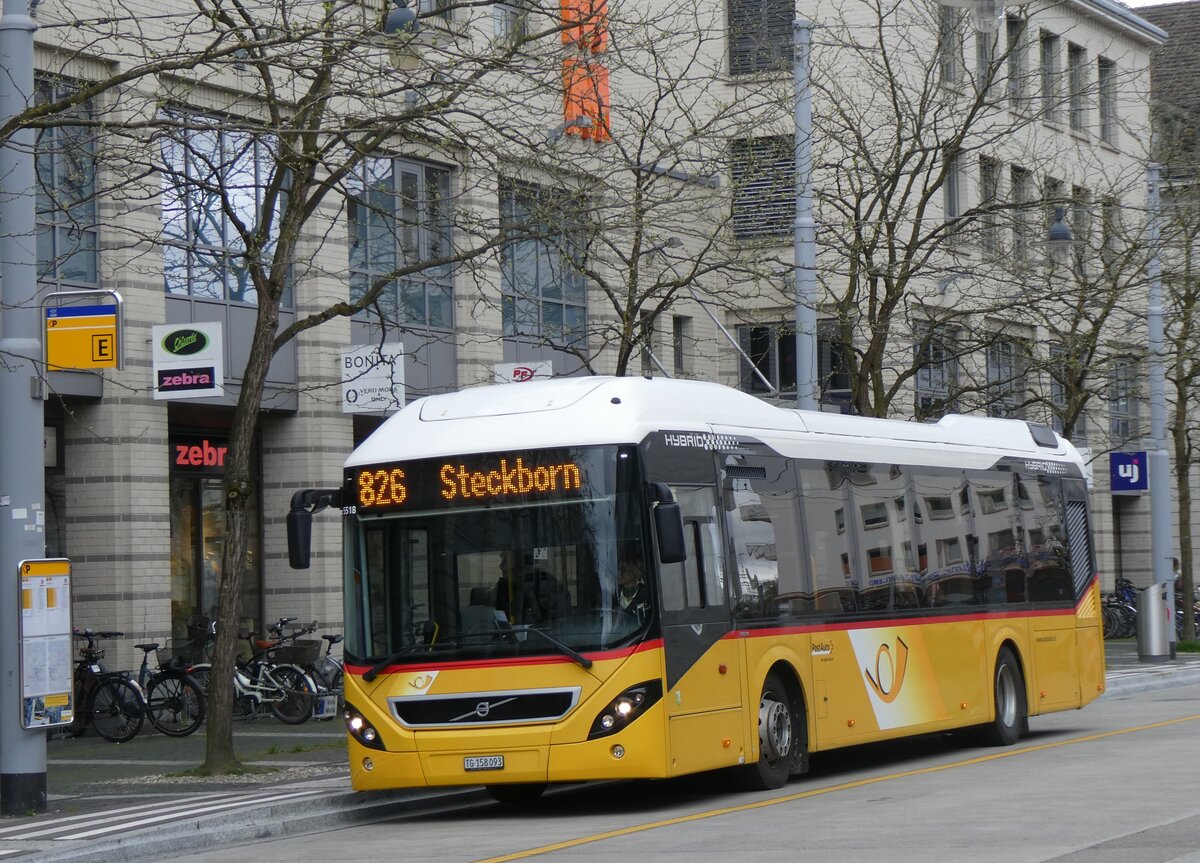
{"x": 81, "y": 337}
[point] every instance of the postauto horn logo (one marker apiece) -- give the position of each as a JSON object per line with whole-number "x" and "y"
{"x": 185, "y": 342}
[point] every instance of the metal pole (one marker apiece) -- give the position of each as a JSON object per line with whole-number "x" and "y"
{"x": 807, "y": 387}
{"x": 1160, "y": 465}
{"x": 22, "y": 519}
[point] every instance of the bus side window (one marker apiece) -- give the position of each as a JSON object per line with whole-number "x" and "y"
{"x": 699, "y": 581}
{"x": 761, "y": 505}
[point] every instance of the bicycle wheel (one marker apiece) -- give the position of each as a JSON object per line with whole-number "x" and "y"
{"x": 116, "y": 709}
{"x": 174, "y": 703}
{"x": 242, "y": 707}
{"x": 296, "y": 705}
{"x": 200, "y": 673}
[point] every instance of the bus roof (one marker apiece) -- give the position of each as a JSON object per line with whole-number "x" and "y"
{"x": 587, "y": 411}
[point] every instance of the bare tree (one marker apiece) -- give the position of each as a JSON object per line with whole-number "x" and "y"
{"x": 933, "y": 179}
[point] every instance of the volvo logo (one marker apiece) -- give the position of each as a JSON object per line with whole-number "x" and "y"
{"x": 482, "y": 709}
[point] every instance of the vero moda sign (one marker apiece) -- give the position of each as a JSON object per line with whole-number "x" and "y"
{"x": 188, "y": 361}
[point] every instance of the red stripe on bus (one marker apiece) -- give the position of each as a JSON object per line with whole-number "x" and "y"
{"x": 554, "y": 659}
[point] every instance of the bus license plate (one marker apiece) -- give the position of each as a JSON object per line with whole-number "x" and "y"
{"x": 483, "y": 762}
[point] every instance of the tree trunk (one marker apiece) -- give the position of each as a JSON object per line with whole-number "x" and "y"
{"x": 239, "y": 494}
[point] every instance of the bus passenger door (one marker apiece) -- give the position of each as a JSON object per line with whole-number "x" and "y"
{"x": 703, "y": 692}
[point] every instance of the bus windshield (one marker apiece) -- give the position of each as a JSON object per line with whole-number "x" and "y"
{"x": 503, "y": 555}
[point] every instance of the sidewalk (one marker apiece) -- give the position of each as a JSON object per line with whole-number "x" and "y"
{"x": 137, "y": 801}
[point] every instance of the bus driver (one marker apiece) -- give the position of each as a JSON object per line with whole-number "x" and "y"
{"x": 633, "y": 595}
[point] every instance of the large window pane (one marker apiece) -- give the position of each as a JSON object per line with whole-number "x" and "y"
{"x": 540, "y": 265}
{"x": 397, "y": 213}
{"x": 213, "y": 191}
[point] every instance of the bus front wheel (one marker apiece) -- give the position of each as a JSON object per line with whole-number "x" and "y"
{"x": 782, "y": 738}
{"x": 1008, "y": 685}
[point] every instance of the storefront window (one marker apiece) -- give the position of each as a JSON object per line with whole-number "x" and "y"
{"x": 198, "y": 542}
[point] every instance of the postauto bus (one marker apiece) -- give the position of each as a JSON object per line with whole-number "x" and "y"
{"x": 599, "y": 578}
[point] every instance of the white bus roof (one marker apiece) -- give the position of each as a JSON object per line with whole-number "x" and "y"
{"x": 608, "y": 410}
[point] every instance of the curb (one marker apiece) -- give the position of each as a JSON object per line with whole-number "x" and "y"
{"x": 256, "y": 824}
{"x": 1152, "y": 680}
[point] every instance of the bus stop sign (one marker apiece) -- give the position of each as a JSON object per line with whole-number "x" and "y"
{"x": 81, "y": 337}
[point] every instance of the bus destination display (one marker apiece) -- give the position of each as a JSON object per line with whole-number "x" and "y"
{"x": 466, "y": 481}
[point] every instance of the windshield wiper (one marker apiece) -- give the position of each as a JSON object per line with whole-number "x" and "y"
{"x": 374, "y": 670}
{"x": 564, "y": 649}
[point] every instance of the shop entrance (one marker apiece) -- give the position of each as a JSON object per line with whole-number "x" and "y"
{"x": 198, "y": 543}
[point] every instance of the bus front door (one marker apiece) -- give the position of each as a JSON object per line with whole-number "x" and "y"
{"x": 703, "y": 692}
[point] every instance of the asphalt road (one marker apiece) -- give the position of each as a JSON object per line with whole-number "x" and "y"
{"x": 1116, "y": 781}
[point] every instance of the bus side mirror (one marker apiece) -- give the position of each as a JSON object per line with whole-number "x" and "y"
{"x": 668, "y": 525}
{"x": 299, "y": 538}
{"x": 299, "y": 522}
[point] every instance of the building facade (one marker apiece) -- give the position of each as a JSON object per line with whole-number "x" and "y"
{"x": 586, "y": 214}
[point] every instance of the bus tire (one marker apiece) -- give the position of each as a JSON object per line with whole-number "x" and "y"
{"x": 782, "y": 738}
{"x": 517, "y": 794}
{"x": 1008, "y": 688}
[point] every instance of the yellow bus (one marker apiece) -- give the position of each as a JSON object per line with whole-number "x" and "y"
{"x": 601, "y": 578}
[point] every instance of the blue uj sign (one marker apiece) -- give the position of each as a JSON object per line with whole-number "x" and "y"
{"x": 1129, "y": 474}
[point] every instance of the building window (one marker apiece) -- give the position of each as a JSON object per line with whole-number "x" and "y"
{"x": 208, "y": 172}
{"x": 1051, "y": 72}
{"x": 681, "y": 331}
{"x": 542, "y": 265}
{"x": 985, "y": 56}
{"x": 647, "y": 335}
{"x": 952, "y": 191}
{"x": 1106, "y": 86}
{"x": 67, "y": 246}
{"x": 1061, "y": 372}
{"x": 1022, "y": 213}
{"x": 989, "y": 201}
{"x": 950, "y": 45}
{"x": 511, "y": 21}
{"x": 442, "y": 10}
{"x": 1018, "y": 63}
{"x": 1081, "y": 227}
{"x": 1054, "y": 196}
{"x": 934, "y": 360}
{"x": 1110, "y": 227}
{"x": 760, "y": 36}
{"x": 771, "y": 349}
{"x": 399, "y": 214}
{"x": 1077, "y": 82}
{"x": 1006, "y": 370}
{"x": 1122, "y": 401}
{"x": 763, "y": 173}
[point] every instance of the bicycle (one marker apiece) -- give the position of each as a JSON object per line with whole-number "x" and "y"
{"x": 106, "y": 700}
{"x": 174, "y": 700}
{"x": 326, "y": 670}
{"x": 287, "y": 690}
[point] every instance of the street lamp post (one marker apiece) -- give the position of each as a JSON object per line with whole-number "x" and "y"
{"x": 1159, "y": 462}
{"x": 805, "y": 231}
{"x": 22, "y": 533}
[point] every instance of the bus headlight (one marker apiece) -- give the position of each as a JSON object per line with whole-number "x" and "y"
{"x": 625, "y": 708}
{"x": 361, "y": 730}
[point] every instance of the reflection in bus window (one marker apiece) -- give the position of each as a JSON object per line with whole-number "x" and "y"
{"x": 764, "y": 533}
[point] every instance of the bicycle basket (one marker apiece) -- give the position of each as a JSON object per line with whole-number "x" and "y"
{"x": 175, "y": 653}
{"x": 302, "y": 651}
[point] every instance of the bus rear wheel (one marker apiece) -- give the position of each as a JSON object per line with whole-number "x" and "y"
{"x": 782, "y": 738}
{"x": 516, "y": 794}
{"x": 1008, "y": 686}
